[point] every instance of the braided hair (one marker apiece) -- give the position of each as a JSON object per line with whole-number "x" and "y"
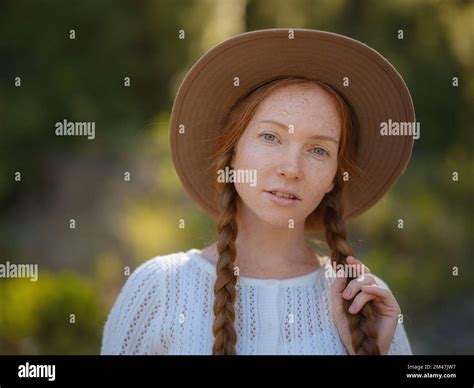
{"x": 330, "y": 212}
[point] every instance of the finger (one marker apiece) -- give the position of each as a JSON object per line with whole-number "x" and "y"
{"x": 355, "y": 285}
{"x": 353, "y": 260}
{"x": 339, "y": 284}
{"x": 383, "y": 293}
{"x": 359, "y": 301}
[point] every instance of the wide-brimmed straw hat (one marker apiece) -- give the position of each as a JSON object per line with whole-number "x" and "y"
{"x": 374, "y": 90}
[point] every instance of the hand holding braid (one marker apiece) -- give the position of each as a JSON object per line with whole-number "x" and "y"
{"x": 361, "y": 326}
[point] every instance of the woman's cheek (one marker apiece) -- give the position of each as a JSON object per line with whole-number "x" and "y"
{"x": 257, "y": 157}
{"x": 326, "y": 180}
{"x": 245, "y": 150}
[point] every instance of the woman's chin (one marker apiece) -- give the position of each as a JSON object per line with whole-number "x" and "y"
{"x": 280, "y": 221}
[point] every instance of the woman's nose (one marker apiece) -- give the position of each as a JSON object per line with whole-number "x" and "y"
{"x": 290, "y": 167}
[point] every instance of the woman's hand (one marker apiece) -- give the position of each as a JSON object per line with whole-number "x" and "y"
{"x": 361, "y": 290}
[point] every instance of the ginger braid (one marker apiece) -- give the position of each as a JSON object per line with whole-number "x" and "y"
{"x": 361, "y": 325}
{"x": 224, "y": 286}
{"x": 330, "y": 212}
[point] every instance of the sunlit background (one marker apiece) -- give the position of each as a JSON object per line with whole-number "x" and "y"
{"x": 121, "y": 223}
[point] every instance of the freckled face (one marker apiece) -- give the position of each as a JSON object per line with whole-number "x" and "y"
{"x": 292, "y": 143}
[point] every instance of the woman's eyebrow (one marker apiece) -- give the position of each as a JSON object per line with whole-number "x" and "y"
{"x": 285, "y": 127}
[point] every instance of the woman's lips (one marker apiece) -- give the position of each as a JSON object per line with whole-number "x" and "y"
{"x": 280, "y": 200}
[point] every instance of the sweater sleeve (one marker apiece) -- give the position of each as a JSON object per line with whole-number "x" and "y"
{"x": 400, "y": 343}
{"x": 134, "y": 308}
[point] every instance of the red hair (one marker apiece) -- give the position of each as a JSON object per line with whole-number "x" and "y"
{"x": 329, "y": 213}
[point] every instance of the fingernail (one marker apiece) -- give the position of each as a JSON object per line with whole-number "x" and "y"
{"x": 352, "y": 308}
{"x": 347, "y": 293}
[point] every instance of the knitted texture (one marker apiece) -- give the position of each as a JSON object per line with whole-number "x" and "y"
{"x": 165, "y": 307}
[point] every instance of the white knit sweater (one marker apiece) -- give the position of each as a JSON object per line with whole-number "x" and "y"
{"x": 165, "y": 307}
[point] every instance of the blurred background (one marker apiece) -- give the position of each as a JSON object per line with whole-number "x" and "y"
{"x": 121, "y": 222}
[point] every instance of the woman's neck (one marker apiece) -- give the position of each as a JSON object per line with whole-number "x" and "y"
{"x": 259, "y": 264}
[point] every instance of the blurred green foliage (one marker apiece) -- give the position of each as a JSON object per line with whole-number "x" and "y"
{"x": 58, "y": 314}
{"x": 123, "y": 223}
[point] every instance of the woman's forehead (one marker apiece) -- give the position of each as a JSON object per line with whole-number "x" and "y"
{"x": 296, "y": 100}
{"x": 309, "y": 110}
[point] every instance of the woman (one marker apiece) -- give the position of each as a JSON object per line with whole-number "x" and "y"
{"x": 299, "y": 110}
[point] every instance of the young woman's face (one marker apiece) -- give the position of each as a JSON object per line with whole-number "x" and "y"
{"x": 292, "y": 143}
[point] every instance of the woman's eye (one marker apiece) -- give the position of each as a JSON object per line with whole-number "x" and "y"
{"x": 321, "y": 152}
{"x": 269, "y": 137}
